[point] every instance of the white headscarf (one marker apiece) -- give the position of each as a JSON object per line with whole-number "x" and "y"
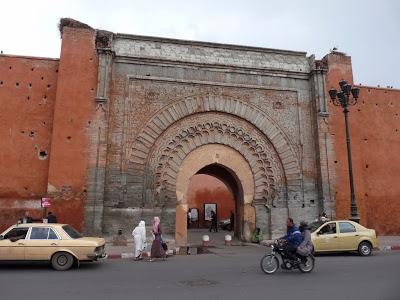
{"x": 140, "y": 230}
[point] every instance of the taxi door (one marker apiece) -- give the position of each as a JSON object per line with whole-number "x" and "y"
{"x": 41, "y": 243}
{"x": 13, "y": 243}
{"x": 326, "y": 238}
{"x": 348, "y": 236}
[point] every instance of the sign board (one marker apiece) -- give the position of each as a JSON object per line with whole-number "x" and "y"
{"x": 46, "y": 202}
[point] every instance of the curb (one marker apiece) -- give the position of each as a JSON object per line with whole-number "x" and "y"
{"x": 389, "y": 248}
{"x": 126, "y": 255}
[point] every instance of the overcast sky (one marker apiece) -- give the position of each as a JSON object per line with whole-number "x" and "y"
{"x": 367, "y": 30}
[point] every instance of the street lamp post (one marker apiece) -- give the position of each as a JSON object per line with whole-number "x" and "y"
{"x": 347, "y": 97}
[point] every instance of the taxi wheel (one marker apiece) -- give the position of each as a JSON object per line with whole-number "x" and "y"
{"x": 62, "y": 261}
{"x": 364, "y": 249}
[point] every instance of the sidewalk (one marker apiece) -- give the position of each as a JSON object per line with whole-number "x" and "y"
{"x": 386, "y": 243}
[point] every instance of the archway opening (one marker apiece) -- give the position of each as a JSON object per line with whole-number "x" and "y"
{"x": 229, "y": 166}
{"x": 214, "y": 187}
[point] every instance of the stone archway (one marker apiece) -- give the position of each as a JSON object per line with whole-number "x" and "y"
{"x": 277, "y": 146}
{"x": 155, "y": 167}
{"x": 229, "y": 159}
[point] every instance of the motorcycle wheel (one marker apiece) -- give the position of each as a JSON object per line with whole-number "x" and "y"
{"x": 269, "y": 264}
{"x": 308, "y": 265}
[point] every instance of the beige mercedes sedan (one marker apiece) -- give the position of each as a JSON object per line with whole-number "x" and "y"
{"x": 59, "y": 244}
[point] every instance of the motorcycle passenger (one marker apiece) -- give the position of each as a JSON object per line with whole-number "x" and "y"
{"x": 306, "y": 247}
{"x": 293, "y": 238}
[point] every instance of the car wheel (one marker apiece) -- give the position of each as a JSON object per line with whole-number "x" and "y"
{"x": 62, "y": 261}
{"x": 364, "y": 249}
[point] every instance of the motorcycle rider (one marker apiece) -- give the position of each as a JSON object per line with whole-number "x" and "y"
{"x": 293, "y": 238}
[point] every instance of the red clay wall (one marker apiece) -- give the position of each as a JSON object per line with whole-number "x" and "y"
{"x": 74, "y": 110}
{"x": 27, "y": 97}
{"x": 375, "y": 141}
{"x": 207, "y": 189}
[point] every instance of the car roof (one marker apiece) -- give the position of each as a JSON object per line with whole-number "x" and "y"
{"x": 39, "y": 225}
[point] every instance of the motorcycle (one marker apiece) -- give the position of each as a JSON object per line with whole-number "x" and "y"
{"x": 270, "y": 262}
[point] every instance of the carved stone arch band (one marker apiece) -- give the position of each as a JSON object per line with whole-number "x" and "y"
{"x": 188, "y": 134}
{"x": 179, "y": 110}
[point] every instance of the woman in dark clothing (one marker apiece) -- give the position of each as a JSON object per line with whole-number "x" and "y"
{"x": 157, "y": 250}
{"x": 214, "y": 224}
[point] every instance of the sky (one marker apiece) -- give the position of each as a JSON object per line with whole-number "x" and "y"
{"x": 367, "y": 30}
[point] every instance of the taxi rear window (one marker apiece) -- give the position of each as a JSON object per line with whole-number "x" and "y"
{"x": 71, "y": 232}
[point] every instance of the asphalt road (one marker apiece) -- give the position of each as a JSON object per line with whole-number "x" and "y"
{"x": 229, "y": 274}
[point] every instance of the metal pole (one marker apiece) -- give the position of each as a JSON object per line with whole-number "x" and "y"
{"x": 353, "y": 205}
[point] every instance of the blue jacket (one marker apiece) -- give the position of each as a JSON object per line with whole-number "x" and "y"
{"x": 293, "y": 236}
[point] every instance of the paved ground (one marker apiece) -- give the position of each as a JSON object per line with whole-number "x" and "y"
{"x": 386, "y": 243}
{"x": 229, "y": 273}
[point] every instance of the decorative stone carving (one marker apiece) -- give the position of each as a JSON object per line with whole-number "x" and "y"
{"x": 182, "y": 137}
{"x": 138, "y": 154}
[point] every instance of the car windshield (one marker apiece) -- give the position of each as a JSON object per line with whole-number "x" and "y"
{"x": 315, "y": 225}
{"x": 71, "y": 232}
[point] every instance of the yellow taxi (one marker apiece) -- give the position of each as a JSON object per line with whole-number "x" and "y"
{"x": 60, "y": 244}
{"x": 343, "y": 235}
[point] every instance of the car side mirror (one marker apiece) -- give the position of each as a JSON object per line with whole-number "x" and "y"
{"x": 14, "y": 239}
{"x": 1, "y": 237}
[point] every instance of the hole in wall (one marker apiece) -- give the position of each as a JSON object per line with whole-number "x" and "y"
{"x": 1, "y": 82}
{"x": 48, "y": 86}
{"x": 42, "y": 78}
{"x": 44, "y": 123}
{"x": 69, "y": 138}
{"x": 312, "y": 201}
{"x": 89, "y": 122}
{"x": 28, "y": 98}
{"x": 10, "y": 67}
{"x": 366, "y": 194}
{"x": 25, "y": 188}
{"x": 30, "y": 84}
{"x": 17, "y": 84}
{"x": 358, "y": 109}
{"x": 56, "y": 70}
{"x": 32, "y": 134}
{"x": 335, "y": 161}
{"x": 32, "y": 69}
{"x": 366, "y": 166}
{"x": 22, "y": 132}
{"x": 42, "y": 154}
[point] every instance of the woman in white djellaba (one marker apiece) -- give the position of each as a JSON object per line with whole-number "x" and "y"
{"x": 139, "y": 237}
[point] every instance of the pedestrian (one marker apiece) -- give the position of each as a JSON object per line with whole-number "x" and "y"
{"x": 189, "y": 218}
{"x": 213, "y": 221}
{"x": 157, "y": 250}
{"x": 26, "y": 218}
{"x": 232, "y": 219}
{"x": 51, "y": 218}
{"x": 139, "y": 237}
{"x": 324, "y": 217}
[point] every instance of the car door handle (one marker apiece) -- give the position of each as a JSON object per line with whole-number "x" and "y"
{"x": 53, "y": 244}
{"x": 335, "y": 237}
{"x": 21, "y": 244}
{"x": 357, "y": 235}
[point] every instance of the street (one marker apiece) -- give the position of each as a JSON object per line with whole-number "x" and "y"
{"x": 229, "y": 273}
